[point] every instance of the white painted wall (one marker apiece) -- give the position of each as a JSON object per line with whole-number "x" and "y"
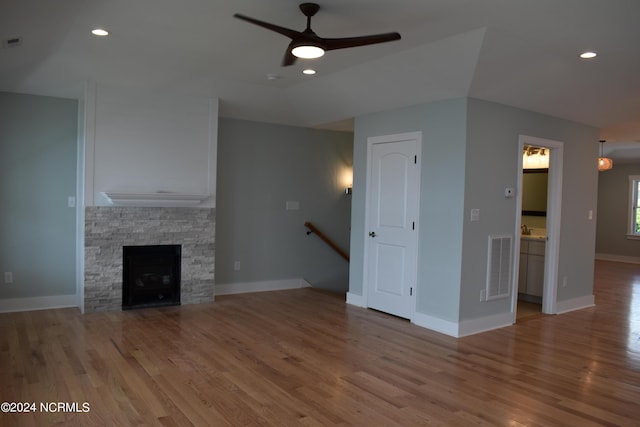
{"x": 138, "y": 141}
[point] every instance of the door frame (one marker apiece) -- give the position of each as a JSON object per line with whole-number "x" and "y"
{"x": 366, "y": 239}
{"x": 554, "y": 213}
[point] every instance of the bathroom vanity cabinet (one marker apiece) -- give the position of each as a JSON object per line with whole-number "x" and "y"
{"x": 531, "y": 272}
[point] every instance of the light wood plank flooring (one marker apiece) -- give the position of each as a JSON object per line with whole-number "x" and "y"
{"x": 304, "y": 357}
{"x": 528, "y": 310}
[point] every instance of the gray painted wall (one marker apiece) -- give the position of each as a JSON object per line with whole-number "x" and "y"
{"x": 470, "y": 152}
{"x": 613, "y": 196}
{"x": 492, "y": 153}
{"x": 38, "y": 140}
{"x": 261, "y": 167}
{"x": 441, "y": 203}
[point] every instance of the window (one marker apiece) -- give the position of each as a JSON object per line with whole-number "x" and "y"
{"x": 634, "y": 206}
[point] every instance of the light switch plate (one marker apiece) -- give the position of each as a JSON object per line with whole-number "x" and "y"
{"x": 475, "y": 215}
{"x": 292, "y": 205}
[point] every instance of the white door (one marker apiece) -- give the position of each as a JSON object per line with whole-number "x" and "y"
{"x": 392, "y": 210}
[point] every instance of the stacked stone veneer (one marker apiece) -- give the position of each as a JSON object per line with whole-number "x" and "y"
{"x": 109, "y": 228}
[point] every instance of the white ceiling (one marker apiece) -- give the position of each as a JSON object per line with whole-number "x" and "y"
{"x": 522, "y": 53}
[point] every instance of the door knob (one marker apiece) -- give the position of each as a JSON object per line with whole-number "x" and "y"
{"x": 372, "y": 234}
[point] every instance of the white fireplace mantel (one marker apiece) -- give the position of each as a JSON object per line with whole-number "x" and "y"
{"x": 157, "y": 199}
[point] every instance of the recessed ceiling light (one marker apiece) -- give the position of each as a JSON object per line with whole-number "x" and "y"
{"x": 273, "y": 76}
{"x": 588, "y": 55}
{"x": 99, "y": 32}
{"x": 309, "y": 72}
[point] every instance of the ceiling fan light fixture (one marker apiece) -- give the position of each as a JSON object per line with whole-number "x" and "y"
{"x": 307, "y": 51}
{"x": 308, "y": 45}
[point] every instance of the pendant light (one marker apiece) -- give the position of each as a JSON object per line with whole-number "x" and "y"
{"x": 604, "y": 163}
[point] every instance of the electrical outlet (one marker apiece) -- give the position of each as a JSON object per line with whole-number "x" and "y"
{"x": 8, "y": 277}
{"x": 236, "y": 266}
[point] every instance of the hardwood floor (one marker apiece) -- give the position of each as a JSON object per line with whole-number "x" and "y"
{"x": 528, "y": 310}
{"x": 304, "y": 357}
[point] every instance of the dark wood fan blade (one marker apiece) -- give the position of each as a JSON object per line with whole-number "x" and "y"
{"x": 292, "y": 34}
{"x": 346, "y": 42}
{"x": 309, "y": 37}
{"x": 289, "y": 58}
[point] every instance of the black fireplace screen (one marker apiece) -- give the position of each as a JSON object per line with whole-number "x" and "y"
{"x": 151, "y": 276}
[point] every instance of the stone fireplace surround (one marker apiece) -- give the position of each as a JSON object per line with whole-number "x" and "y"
{"x": 109, "y": 228}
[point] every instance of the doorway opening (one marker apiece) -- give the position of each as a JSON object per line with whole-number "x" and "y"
{"x": 538, "y": 227}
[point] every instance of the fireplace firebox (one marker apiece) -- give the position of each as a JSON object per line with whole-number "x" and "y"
{"x": 151, "y": 276}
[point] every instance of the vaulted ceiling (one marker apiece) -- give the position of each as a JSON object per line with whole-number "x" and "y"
{"x": 515, "y": 52}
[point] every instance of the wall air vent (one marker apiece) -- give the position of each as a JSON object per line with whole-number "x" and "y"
{"x": 12, "y": 42}
{"x": 499, "y": 267}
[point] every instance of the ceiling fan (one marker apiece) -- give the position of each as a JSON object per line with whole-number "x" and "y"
{"x": 306, "y": 44}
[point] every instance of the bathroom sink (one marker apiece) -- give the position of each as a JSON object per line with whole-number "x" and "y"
{"x": 533, "y": 236}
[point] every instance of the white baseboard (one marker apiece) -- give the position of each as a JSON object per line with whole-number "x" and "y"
{"x": 484, "y": 324}
{"x": 357, "y": 300}
{"x": 464, "y": 328}
{"x": 575, "y": 304}
{"x": 38, "y": 303}
{"x": 446, "y": 327}
{"x": 618, "y": 258}
{"x": 261, "y": 286}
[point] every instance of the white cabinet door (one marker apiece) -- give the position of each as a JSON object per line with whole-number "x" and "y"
{"x": 522, "y": 274}
{"x": 535, "y": 275}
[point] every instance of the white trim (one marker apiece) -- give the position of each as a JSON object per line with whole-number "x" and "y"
{"x": 618, "y": 258}
{"x": 446, "y": 327}
{"x": 630, "y": 209}
{"x": 90, "y": 101}
{"x": 38, "y": 303}
{"x": 80, "y": 195}
{"x": 261, "y": 286}
{"x": 213, "y": 148}
{"x": 575, "y": 304}
{"x": 158, "y": 199}
{"x": 464, "y": 328}
{"x": 357, "y": 300}
{"x": 554, "y": 210}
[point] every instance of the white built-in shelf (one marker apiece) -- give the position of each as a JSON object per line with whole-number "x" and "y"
{"x": 161, "y": 199}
